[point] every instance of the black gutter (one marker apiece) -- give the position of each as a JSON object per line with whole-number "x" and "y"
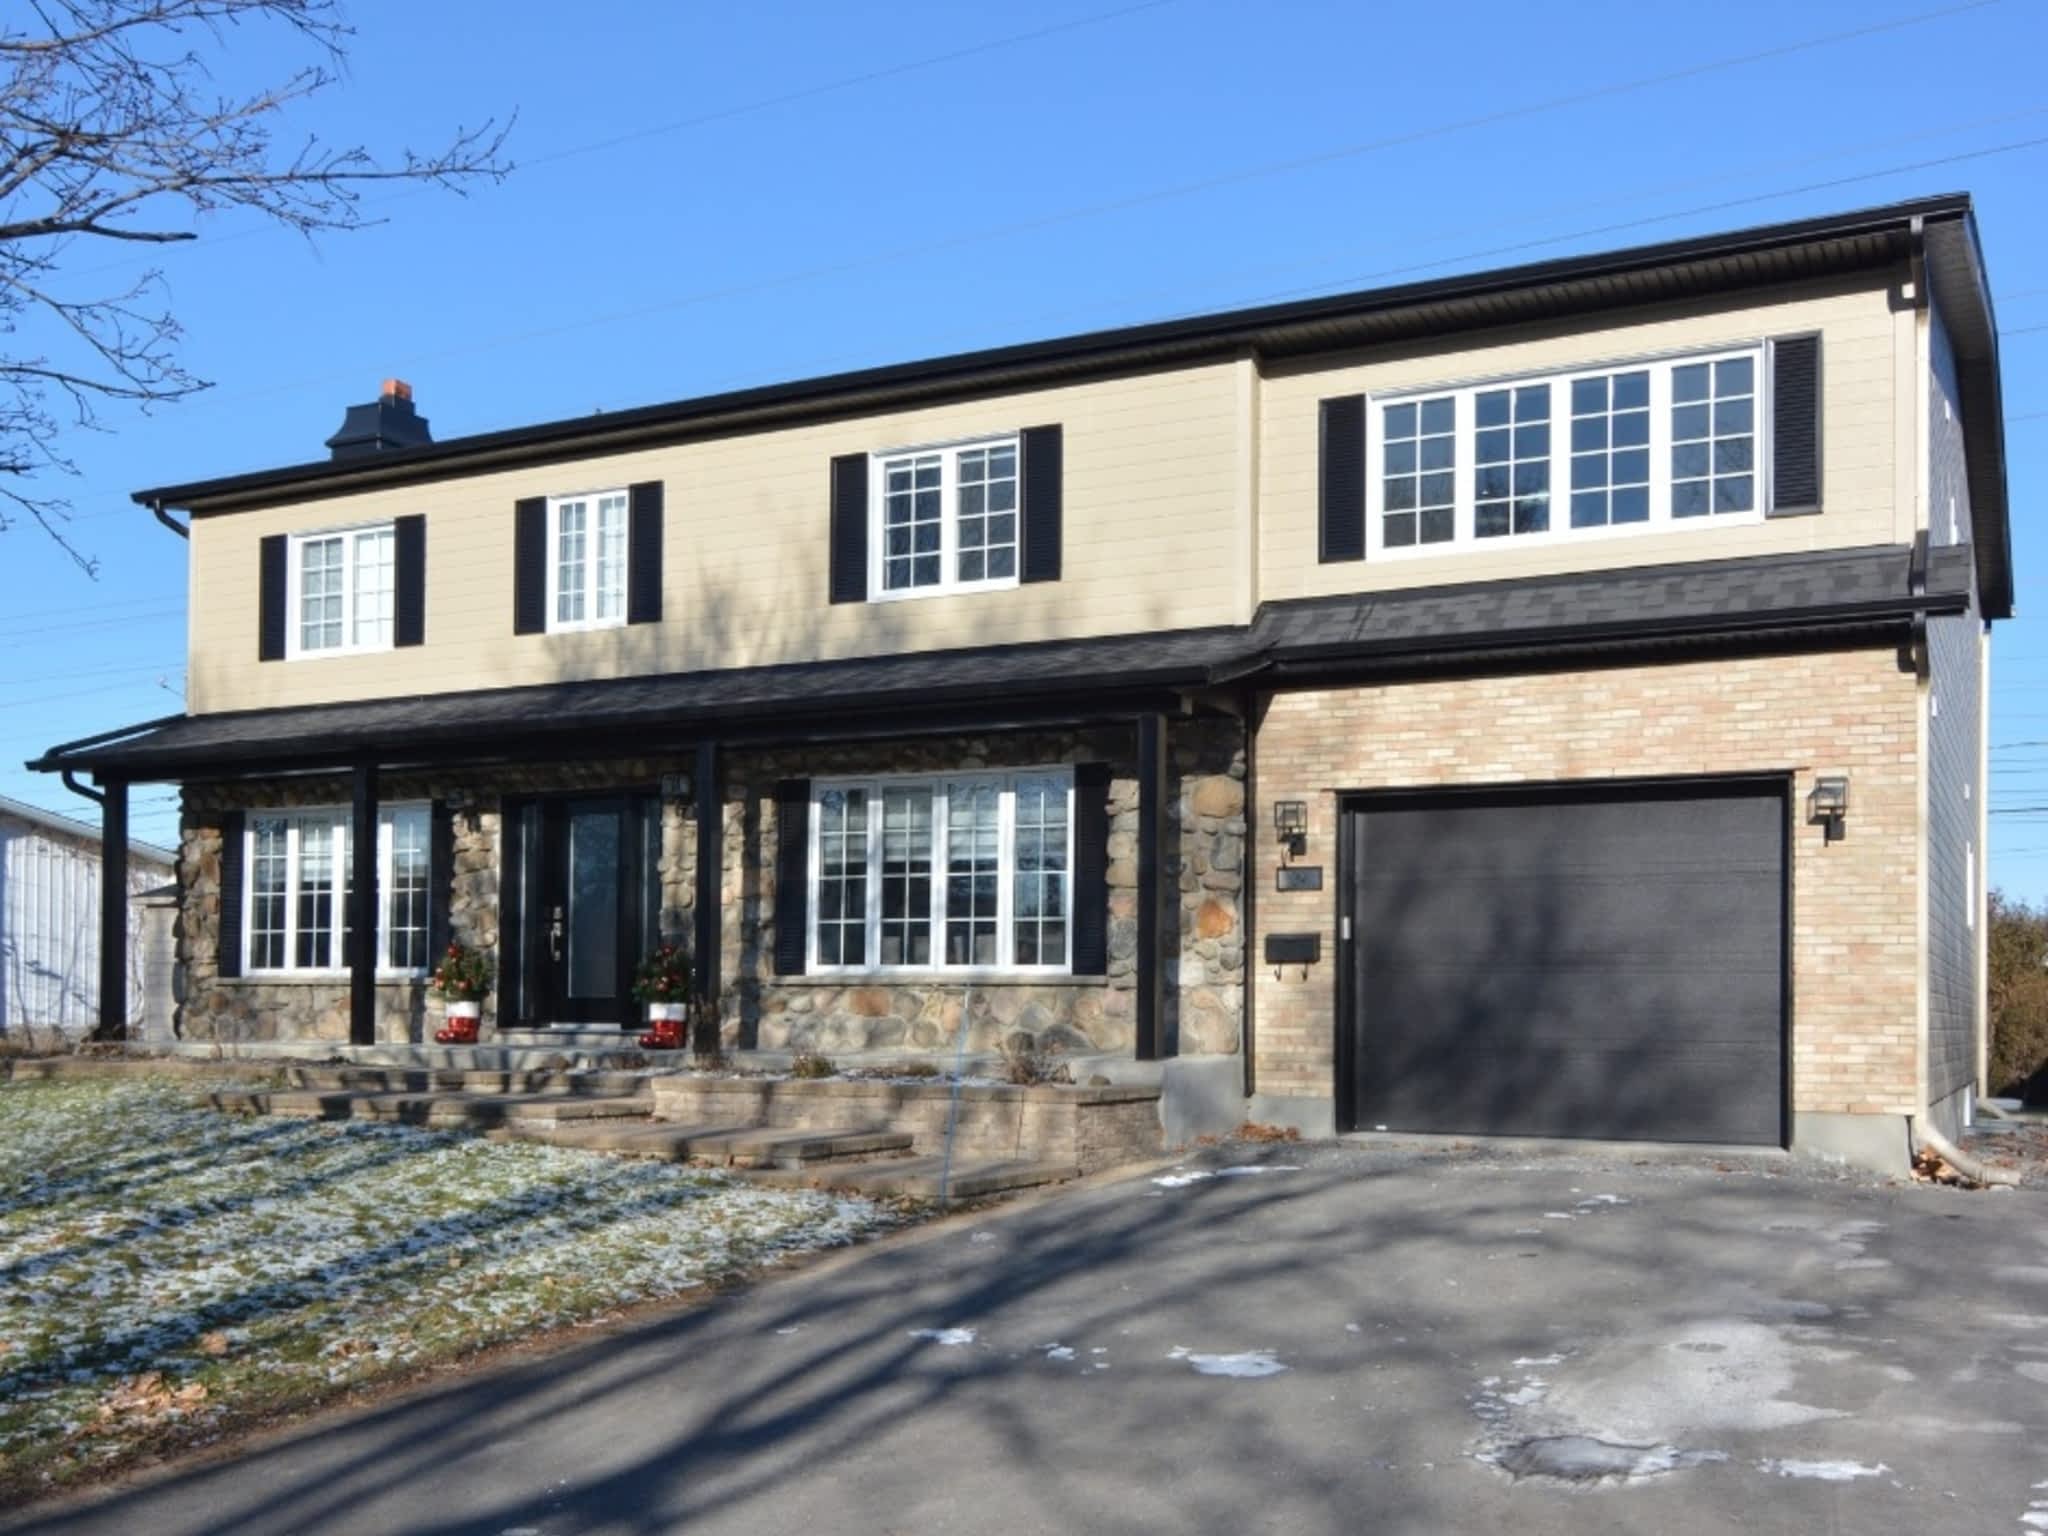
{"x": 1149, "y": 345}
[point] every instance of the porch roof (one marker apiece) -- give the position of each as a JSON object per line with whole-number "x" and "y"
{"x": 1584, "y": 615}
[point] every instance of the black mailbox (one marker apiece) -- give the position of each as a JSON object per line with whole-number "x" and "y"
{"x": 1293, "y": 948}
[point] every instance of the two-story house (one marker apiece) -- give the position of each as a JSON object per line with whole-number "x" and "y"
{"x": 1549, "y": 701}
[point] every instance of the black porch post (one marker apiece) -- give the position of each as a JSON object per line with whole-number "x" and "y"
{"x": 708, "y": 801}
{"x": 113, "y": 1020}
{"x": 363, "y": 906}
{"x": 1151, "y": 1021}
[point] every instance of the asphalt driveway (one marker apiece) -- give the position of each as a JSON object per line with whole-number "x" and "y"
{"x": 1371, "y": 1339}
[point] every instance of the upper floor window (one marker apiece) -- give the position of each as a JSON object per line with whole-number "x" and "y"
{"x": 1547, "y": 460}
{"x": 945, "y": 519}
{"x": 341, "y": 585}
{"x": 587, "y": 560}
{"x": 300, "y": 874}
{"x": 960, "y": 872}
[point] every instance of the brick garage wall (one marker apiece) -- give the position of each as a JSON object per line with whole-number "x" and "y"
{"x": 1854, "y": 925}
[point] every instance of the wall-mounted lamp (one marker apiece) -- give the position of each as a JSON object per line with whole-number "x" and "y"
{"x": 1827, "y": 805}
{"x": 1290, "y": 824}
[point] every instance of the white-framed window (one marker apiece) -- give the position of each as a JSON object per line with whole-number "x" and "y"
{"x": 967, "y": 872}
{"x": 342, "y": 584}
{"x": 943, "y": 519}
{"x": 299, "y": 874}
{"x": 1625, "y": 448}
{"x": 587, "y": 560}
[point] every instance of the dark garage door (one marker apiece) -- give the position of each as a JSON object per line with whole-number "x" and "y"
{"x": 1569, "y": 962}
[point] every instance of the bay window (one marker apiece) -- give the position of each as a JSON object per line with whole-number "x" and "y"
{"x": 956, "y": 872}
{"x": 1551, "y": 459}
{"x": 299, "y": 876}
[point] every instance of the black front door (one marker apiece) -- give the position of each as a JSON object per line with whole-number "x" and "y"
{"x": 591, "y": 904}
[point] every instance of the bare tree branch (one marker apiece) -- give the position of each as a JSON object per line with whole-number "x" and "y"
{"x": 111, "y": 129}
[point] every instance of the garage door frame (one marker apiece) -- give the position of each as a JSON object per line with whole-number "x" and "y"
{"x": 1354, "y": 808}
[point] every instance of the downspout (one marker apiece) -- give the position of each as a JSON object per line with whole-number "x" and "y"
{"x": 156, "y": 509}
{"x": 1924, "y": 1135}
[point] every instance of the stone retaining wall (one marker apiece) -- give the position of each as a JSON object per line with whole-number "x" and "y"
{"x": 1087, "y": 1128}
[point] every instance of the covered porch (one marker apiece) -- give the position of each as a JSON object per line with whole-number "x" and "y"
{"x": 874, "y": 858}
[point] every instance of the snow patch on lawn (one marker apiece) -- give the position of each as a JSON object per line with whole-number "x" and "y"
{"x": 163, "y": 1263}
{"x": 946, "y": 1338}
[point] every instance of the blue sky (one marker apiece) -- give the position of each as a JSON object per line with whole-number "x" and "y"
{"x": 712, "y": 197}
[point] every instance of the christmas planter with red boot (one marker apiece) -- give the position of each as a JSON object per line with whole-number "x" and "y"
{"x": 663, "y": 984}
{"x": 460, "y": 981}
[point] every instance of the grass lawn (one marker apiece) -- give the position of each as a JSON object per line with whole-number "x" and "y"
{"x": 166, "y": 1270}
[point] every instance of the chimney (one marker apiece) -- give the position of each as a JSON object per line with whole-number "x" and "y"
{"x": 385, "y": 423}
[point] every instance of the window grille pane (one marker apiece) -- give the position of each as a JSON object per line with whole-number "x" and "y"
{"x": 611, "y": 557}
{"x": 315, "y": 895}
{"x": 842, "y": 877}
{"x": 1511, "y": 461}
{"x": 1418, "y": 473}
{"x": 1610, "y": 438}
{"x": 268, "y": 870}
{"x": 911, "y": 522}
{"x": 320, "y": 594}
{"x": 405, "y": 925}
{"x": 973, "y": 871}
{"x": 1039, "y": 861}
{"x": 906, "y": 876}
{"x": 375, "y": 557}
{"x": 988, "y": 513}
{"x": 571, "y": 536}
{"x": 1713, "y": 437}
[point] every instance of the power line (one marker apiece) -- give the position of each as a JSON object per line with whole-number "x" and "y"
{"x": 59, "y": 677}
{"x": 763, "y": 104}
{"x": 1249, "y": 174}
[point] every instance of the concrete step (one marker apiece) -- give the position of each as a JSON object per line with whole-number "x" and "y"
{"x": 357, "y": 1079}
{"x": 757, "y": 1147}
{"x": 723, "y": 1146}
{"x": 446, "y": 1109}
{"x": 923, "y": 1178}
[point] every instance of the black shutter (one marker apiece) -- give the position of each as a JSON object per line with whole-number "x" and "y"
{"x": 440, "y": 879}
{"x": 792, "y": 883}
{"x": 530, "y": 566}
{"x": 1042, "y": 468}
{"x": 1341, "y": 520}
{"x": 1091, "y": 869}
{"x": 409, "y": 596}
{"x": 643, "y": 555}
{"x": 273, "y": 575}
{"x": 228, "y": 951}
{"x": 1795, "y": 426}
{"x": 850, "y": 528}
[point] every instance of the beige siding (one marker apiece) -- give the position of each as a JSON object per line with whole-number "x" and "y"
{"x": 1154, "y": 520}
{"x": 1190, "y": 497}
{"x": 1861, "y": 340}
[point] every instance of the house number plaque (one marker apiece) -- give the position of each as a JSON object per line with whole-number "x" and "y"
{"x": 1298, "y": 877}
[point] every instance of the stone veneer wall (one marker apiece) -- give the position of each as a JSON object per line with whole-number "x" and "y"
{"x": 217, "y": 1007}
{"x": 1854, "y": 903}
{"x": 1203, "y": 954}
